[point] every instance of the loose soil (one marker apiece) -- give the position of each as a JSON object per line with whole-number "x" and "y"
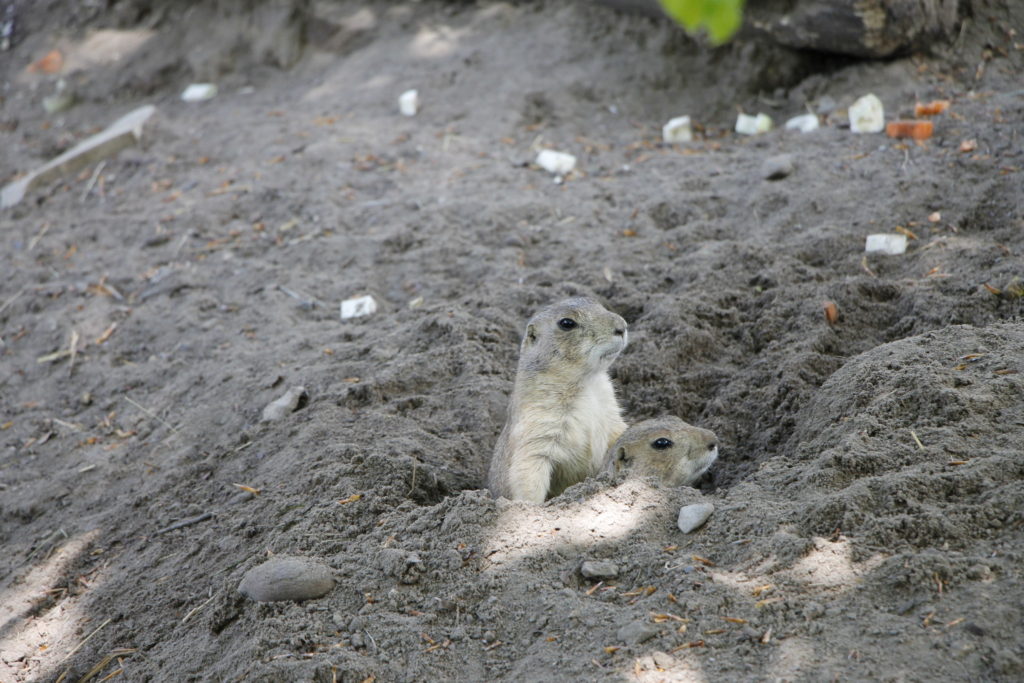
{"x": 870, "y": 492}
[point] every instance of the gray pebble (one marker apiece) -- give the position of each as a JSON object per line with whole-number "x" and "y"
{"x": 599, "y": 569}
{"x": 777, "y": 167}
{"x": 287, "y": 403}
{"x": 286, "y": 578}
{"x": 813, "y": 610}
{"x": 637, "y": 632}
{"x": 691, "y": 517}
{"x": 663, "y": 660}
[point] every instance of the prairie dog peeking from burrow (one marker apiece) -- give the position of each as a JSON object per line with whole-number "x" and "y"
{"x": 675, "y": 452}
{"x": 563, "y": 414}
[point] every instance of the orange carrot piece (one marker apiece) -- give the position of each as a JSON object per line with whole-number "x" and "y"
{"x": 918, "y": 130}
{"x": 933, "y": 108}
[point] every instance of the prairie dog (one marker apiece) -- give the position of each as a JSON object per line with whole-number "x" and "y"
{"x": 675, "y": 452}
{"x": 563, "y": 414}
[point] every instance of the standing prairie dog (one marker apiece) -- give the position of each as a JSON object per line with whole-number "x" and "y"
{"x": 563, "y": 413}
{"x": 675, "y": 452}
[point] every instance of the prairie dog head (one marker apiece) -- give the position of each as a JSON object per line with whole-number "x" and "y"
{"x": 675, "y": 452}
{"x": 577, "y": 336}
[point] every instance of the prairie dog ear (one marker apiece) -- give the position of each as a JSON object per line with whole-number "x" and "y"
{"x": 530, "y": 337}
{"x": 621, "y": 458}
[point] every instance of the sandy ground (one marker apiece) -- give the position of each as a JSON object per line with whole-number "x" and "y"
{"x": 869, "y": 496}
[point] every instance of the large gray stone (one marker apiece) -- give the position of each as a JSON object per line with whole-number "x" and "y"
{"x": 286, "y": 578}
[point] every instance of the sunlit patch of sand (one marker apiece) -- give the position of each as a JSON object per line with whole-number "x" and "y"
{"x": 31, "y": 643}
{"x": 523, "y": 529}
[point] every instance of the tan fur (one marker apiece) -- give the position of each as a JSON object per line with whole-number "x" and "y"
{"x": 563, "y": 413}
{"x": 693, "y": 450}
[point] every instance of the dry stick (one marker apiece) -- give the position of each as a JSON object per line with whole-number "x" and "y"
{"x": 79, "y": 646}
{"x": 74, "y": 350}
{"x": 92, "y": 181}
{"x": 12, "y": 299}
{"x": 185, "y": 522}
{"x": 39, "y": 235}
{"x": 153, "y": 415}
{"x": 111, "y": 656}
{"x": 195, "y": 610}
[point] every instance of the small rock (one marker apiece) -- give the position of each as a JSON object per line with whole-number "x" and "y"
{"x": 753, "y": 125}
{"x": 490, "y": 636}
{"x": 813, "y": 610}
{"x": 286, "y": 578}
{"x": 358, "y": 307}
{"x": 777, "y": 167}
{"x": 974, "y": 629}
{"x": 691, "y": 517}
{"x": 677, "y": 130}
{"x": 284, "y": 405}
{"x": 886, "y": 243}
{"x": 663, "y": 660}
{"x": 557, "y": 163}
{"x": 867, "y": 115}
{"x": 637, "y": 632}
{"x": 199, "y": 92}
{"x": 805, "y": 123}
{"x": 979, "y": 572}
{"x": 409, "y": 102}
{"x": 645, "y": 663}
{"x": 357, "y": 641}
{"x": 599, "y": 569}
{"x": 59, "y": 102}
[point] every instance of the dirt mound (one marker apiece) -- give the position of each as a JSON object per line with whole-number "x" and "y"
{"x": 867, "y": 499}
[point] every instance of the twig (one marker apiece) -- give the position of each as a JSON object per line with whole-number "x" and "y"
{"x": 111, "y": 656}
{"x": 73, "y": 427}
{"x": 185, "y": 522}
{"x": 92, "y": 181}
{"x": 79, "y": 646}
{"x": 195, "y": 610}
{"x": 917, "y": 440}
{"x": 153, "y": 415}
{"x": 864, "y": 265}
{"x": 74, "y": 351}
{"x": 12, "y": 300}
{"x": 39, "y": 235}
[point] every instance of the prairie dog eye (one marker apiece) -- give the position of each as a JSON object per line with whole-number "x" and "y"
{"x": 567, "y": 323}
{"x": 712, "y": 446}
{"x": 661, "y": 444}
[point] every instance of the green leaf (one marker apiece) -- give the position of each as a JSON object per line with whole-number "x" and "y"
{"x": 720, "y": 18}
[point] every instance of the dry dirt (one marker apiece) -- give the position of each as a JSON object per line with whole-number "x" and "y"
{"x": 869, "y": 496}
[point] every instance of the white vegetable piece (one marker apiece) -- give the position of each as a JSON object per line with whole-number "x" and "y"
{"x": 804, "y": 123}
{"x": 558, "y": 163}
{"x": 677, "y": 130}
{"x": 753, "y": 125}
{"x": 886, "y": 243}
{"x": 409, "y": 102}
{"x": 199, "y": 92}
{"x": 867, "y": 115}
{"x": 358, "y": 307}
